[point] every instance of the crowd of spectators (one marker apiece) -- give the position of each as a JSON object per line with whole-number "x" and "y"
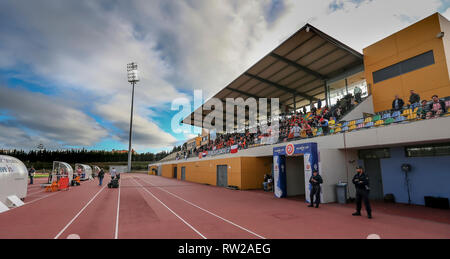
{"x": 294, "y": 125}
{"x": 303, "y": 124}
{"x": 424, "y": 109}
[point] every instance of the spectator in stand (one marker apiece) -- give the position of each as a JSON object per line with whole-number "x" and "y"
{"x": 284, "y": 134}
{"x": 338, "y": 113}
{"x": 313, "y": 109}
{"x": 324, "y": 125}
{"x": 397, "y": 104}
{"x": 307, "y": 129}
{"x": 296, "y": 131}
{"x": 319, "y": 104}
{"x": 304, "y": 109}
{"x": 358, "y": 93}
{"x": 436, "y": 108}
{"x": 423, "y": 110}
{"x": 414, "y": 98}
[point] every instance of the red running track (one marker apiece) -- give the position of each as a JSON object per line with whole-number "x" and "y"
{"x": 155, "y": 207}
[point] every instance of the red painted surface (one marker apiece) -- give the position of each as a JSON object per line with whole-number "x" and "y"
{"x": 212, "y": 211}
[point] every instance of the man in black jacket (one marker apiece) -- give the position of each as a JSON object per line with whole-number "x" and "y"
{"x": 361, "y": 182}
{"x": 101, "y": 175}
{"x": 414, "y": 98}
{"x": 315, "y": 181}
{"x": 397, "y": 104}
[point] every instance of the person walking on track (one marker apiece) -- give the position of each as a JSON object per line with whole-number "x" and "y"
{"x": 31, "y": 174}
{"x": 361, "y": 182}
{"x": 315, "y": 181}
{"x": 101, "y": 175}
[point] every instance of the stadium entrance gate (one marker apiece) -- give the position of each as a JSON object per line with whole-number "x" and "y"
{"x": 290, "y": 177}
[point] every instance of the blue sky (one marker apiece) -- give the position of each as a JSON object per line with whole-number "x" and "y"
{"x": 63, "y": 64}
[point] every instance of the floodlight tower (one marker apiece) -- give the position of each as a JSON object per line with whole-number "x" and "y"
{"x": 133, "y": 78}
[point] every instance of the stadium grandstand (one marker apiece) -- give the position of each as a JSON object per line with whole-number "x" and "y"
{"x": 338, "y": 111}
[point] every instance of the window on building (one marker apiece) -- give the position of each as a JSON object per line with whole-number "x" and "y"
{"x": 409, "y": 65}
{"x": 374, "y": 153}
{"x": 428, "y": 150}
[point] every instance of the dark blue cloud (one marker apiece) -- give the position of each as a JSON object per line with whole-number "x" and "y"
{"x": 274, "y": 10}
{"x": 336, "y": 5}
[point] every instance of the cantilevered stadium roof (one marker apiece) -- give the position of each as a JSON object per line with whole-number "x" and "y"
{"x": 298, "y": 68}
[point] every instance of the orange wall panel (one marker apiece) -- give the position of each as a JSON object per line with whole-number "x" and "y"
{"x": 253, "y": 171}
{"x": 246, "y": 173}
{"x": 410, "y": 42}
{"x": 205, "y": 172}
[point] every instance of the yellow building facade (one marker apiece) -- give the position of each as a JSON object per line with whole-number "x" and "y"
{"x": 427, "y": 35}
{"x": 246, "y": 173}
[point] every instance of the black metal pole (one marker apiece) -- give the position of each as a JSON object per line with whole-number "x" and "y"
{"x": 407, "y": 187}
{"x": 131, "y": 130}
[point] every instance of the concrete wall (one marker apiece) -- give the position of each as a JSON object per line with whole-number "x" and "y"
{"x": 430, "y": 176}
{"x": 357, "y": 113}
{"x": 445, "y": 28}
{"x": 338, "y": 156}
{"x": 434, "y": 130}
{"x": 335, "y": 167}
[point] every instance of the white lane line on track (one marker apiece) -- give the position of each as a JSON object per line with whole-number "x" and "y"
{"x": 184, "y": 221}
{"x": 207, "y": 211}
{"x": 79, "y": 213}
{"x": 116, "y": 235}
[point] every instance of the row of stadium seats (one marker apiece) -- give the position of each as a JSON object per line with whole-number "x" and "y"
{"x": 386, "y": 118}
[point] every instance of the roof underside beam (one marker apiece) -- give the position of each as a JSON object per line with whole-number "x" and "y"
{"x": 244, "y": 93}
{"x": 299, "y": 67}
{"x": 286, "y": 89}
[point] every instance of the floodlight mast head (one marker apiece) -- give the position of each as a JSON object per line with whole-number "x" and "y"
{"x": 133, "y": 73}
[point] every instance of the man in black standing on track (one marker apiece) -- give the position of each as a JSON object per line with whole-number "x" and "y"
{"x": 315, "y": 181}
{"x": 361, "y": 182}
{"x": 101, "y": 175}
{"x": 31, "y": 174}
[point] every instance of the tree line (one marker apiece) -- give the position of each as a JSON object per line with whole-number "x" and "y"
{"x": 81, "y": 156}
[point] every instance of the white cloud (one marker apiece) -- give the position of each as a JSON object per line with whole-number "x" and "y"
{"x": 146, "y": 134}
{"x": 35, "y": 114}
{"x": 84, "y": 46}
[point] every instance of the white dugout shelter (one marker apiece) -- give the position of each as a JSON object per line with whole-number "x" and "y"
{"x": 61, "y": 170}
{"x": 13, "y": 182}
{"x": 84, "y": 171}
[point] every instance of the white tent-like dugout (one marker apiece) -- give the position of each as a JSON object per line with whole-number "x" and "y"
{"x": 13, "y": 180}
{"x": 61, "y": 170}
{"x": 84, "y": 171}
{"x": 95, "y": 170}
